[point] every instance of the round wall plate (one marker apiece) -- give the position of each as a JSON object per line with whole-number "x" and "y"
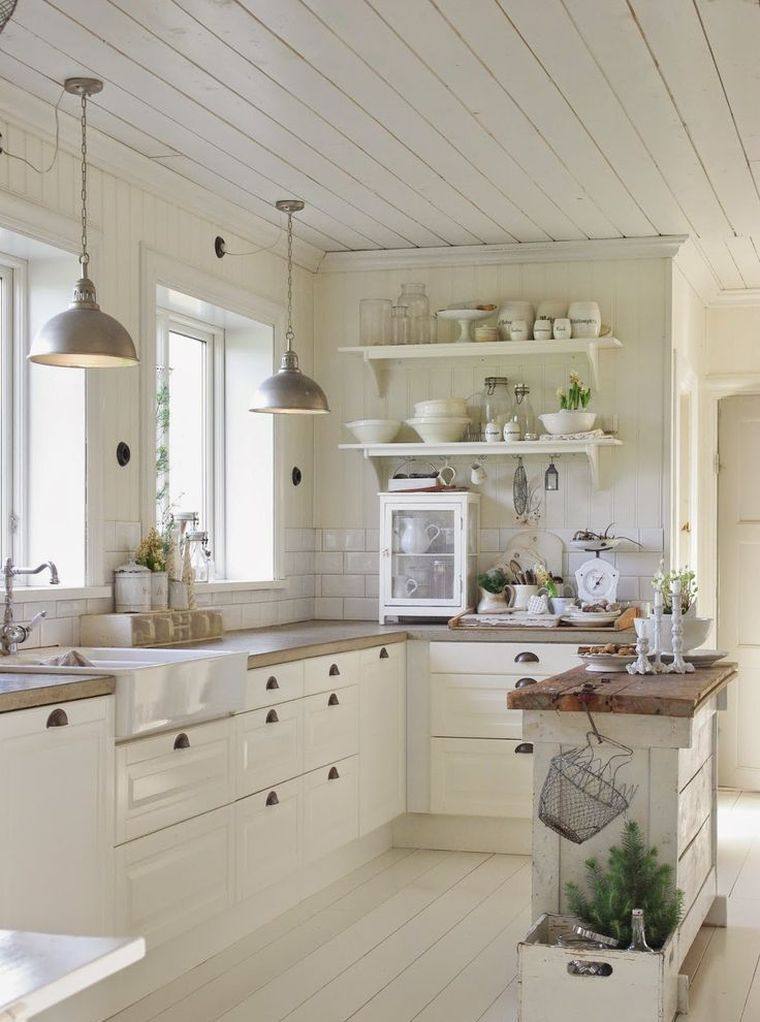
{"x": 597, "y": 580}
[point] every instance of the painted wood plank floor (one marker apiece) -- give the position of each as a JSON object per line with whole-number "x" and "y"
{"x": 431, "y": 936}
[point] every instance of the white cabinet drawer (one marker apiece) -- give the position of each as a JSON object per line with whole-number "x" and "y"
{"x": 331, "y": 808}
{"x": 474, "y": 777}
{"x": 473, "y": 706}
{"x": 265, "y": 686}
{"x": 520, "y": 658}
{"x": 268, "y": 837}
{"x": 325, "y": 673}
{"x": 168, "y": 882}
{"x": 268, "y": 747}
{"x": 330, "y": 726}
{"x": 172, "y": 777}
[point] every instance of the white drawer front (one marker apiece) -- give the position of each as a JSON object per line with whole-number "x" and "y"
{"x": 268, "y": 747}
{"x": 389, "y": 656}
{"x": 473, "y": 706}
{"x": 472, "y": 777}
{"x": 168, "y": 882}
{"x": 268, "y": 832}
{"x": 331, "y": 726}
{"x": 265, "y": 686}
{"x": 529, "y": 658}
{"x": 325, "y": 673}
{"x": 331, "y": 808}
{"x": 172, "y": 777}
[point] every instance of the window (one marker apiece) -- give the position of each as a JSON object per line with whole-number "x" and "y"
{"x": 215, "y": 458}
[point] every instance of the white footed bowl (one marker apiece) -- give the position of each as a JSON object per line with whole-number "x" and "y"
{"x": 566, "y": 421}
{"x": 374, "y": 431}
{"x": 441, "y": 407}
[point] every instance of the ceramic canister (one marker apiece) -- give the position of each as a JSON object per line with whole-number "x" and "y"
{"x": 514, "y": 309}
{"x": 132, "y": 589}
{"x": 563, "y": 330}
{"x": 585, "y": 318}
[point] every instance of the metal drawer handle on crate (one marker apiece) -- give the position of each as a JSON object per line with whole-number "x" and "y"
{"x": 182, "y": 741}
{"x": 334, "y": 671}
{"x": 272, "y": 799}
{"x": 526, "y": 658}
{"x": 333, "y": 700}
{"x": 524, "y": 682}
{"x": 525, "y": 747}
{"x": 58, "y": 718}
{"x": 383, "y": 653}
{"x": 580, "y": 968}
{"x": 333, "y": 774}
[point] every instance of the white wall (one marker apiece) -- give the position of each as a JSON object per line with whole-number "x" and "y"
{"x": 635, "y": 298}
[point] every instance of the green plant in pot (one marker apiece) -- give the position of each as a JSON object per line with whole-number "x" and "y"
{"x": 492, "y": 585}
{"x": 634, "y": 878}
{"x": 151, "y": 553}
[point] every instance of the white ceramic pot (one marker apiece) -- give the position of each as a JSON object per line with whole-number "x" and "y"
{"x": 159, "y": 590}
{"x": 512, "y": 431}
{"x": 511, "y": 310}
{"x": 442, "y": 406}
{"x": 132, "y": 589}
{"x": 491, "y": 603}
{"x": 440, "y": 429}
{"x": 518, "y": 330}
{"x": 565, "y": 421}
{"x": 374, "y": 431}
{"x": 492, "y": 433}
{"x": 542, "y": 330}
{"x": 695, "y": 631}
{"x": 585, "y": 319}
{"x": 562, "y": 329}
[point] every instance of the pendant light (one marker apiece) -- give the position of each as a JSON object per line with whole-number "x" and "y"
{"x": 289, "y": 390}
{"x": 83, "y": 336}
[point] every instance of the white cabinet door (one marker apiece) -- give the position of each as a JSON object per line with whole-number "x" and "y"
{"x": 268, "y": 837}
{"x": 268, "y": 747}
{"x": 170, "y": 881}
{"x": 171, "y": 777}
{"x": 382, "y": 736}
{"x": 492, "y": 777}
{"x": 331, "y": 726}
{"x": 56, "y": 817}
{"x": 330, "y": 808}
{"x": 474, "y": 706}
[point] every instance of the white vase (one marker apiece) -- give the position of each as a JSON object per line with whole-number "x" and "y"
{"x": 491, "y": 603}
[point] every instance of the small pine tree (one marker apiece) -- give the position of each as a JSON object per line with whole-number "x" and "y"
{"x": 634, "y": 879}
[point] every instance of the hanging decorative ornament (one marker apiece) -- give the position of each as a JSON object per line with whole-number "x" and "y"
{"x": 83, "y": 337}
{"x": 289, "y": 390}
{"x": 520, "y": 489}
{"x": 551, "y": 477}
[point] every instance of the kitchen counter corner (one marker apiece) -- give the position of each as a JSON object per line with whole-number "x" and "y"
{"x": 22, "y": 691}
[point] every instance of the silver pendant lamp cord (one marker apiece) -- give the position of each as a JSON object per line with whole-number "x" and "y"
{"x": 84, "y": 258}
{"x": 289, "y": 334}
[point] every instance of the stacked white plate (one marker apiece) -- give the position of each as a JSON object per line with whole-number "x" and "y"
{"x": 590, "y": 619}
{"x": 440, "y": 420}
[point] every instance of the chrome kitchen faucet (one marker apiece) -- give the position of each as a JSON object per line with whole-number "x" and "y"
{"x": 13, "y": 634}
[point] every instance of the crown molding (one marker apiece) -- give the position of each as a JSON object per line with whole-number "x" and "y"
{"x": 746, "y": 297}
{"x": 35, "y": 116}
{"x": 665, "y": 247}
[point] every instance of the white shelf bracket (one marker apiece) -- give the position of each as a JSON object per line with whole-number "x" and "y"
{"x": 379, "y": 372}
{"x": 377, "y": 465}
{"x": 593, "y": 361}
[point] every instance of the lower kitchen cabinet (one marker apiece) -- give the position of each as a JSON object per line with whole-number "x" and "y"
{"x": 268, "y": 746}
{"x": 330, "y": 808}
{"x": 481, "y": 777}
{"x": 170, "y": 881}
{"x": 382, "y": 737}
{"x": 56, "y": 817}
{"x": 330, "y": 726}
{"x": 268, "y": 837}
{"x": 473, "y": 706}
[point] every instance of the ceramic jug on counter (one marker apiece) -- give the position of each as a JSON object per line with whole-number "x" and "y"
{"x": 415, "y": 535}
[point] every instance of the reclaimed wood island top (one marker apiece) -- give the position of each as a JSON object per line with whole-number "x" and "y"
{"x": 665, "y": 695}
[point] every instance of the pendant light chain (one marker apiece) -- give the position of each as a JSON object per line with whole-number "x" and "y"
{"x": 289, "y": 334}
{"x": 84, "y": 258}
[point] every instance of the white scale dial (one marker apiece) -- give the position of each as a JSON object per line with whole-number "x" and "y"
{"x": 597, "y": 580}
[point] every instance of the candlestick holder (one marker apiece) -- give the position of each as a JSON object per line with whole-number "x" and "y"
{"x": 658, "y": 667}
{"x": 679, "y": 665}
{"x": 641, "y": 664}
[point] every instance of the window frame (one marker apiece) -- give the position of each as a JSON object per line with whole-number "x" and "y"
{"x": 14, "y": 386}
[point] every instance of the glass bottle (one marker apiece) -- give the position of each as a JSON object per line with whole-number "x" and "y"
{"x": 498, "y": 401}
{"x": 524, "y": 412}
{"x": 638, "y": 935}
{"x": 401, "y": 324}
{"x": 416, "y": 301}
{"x": 476, "y": 409}
{"x": 374, "y": 321}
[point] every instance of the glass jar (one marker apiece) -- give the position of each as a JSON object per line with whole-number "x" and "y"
{"x": 524, "y": 412}
{"x": 498, "y": 401}
{"x": 375, "y": 321}
{"x": 416, "y": 301}
{"x": 401, "y": 325}
{"x": 476, "y": 409}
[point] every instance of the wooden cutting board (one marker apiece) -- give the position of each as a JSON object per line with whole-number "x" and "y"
{"x": 532, "y": 546}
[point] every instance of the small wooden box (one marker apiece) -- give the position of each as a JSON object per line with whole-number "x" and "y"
{"x": 639, "y": 987}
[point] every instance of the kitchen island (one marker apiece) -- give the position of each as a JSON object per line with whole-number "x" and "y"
{"x": 669, "y": 723}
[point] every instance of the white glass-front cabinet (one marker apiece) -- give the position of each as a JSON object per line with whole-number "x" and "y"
{"x": 428, "y": 554}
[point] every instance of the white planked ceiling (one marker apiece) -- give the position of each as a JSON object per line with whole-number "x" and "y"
{"x": 418, "y": 123}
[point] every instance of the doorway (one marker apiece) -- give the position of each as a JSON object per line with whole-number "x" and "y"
{"x": 738, "y": 572}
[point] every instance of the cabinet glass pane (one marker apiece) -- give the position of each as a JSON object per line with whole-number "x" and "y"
{"x": 422, "y": 555}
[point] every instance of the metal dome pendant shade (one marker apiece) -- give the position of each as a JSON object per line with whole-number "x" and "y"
{"x": 289, "y": 391}
{"x": 83, "y": 336}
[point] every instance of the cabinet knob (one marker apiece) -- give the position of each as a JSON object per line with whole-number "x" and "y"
{"x": 333, "y": 700}
{"x": 524, "y": 682}
{"x": 272, "y": 717}
{"x": 58, "y": 718}
{"x": 383, "y": 653}
{"x": 272, "y": 799}
{"x": 524, "y": 747}
{"x": 334, "y": 671}
{"x": 526, "y": 657}
{"x": 332, "y": 774}
{"x": 272, "y": 683}
{"x": 182, "y": 741}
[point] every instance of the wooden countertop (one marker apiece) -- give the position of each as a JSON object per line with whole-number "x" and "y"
{"x": 20, "y": 691}
{"x": 666, "y": 695}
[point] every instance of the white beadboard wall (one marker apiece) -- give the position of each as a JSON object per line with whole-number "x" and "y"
{"x": 126, "y": 217}
{"x": 635, "y": 298}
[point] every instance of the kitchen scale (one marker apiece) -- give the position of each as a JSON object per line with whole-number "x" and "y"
{"x": 597, "y": 580}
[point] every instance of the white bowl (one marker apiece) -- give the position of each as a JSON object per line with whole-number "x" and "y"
{"x": 585, "y": 319}
{"x": 564, "y": 421}
{"x": 374, "y": 431}
{"x": 695, "y": 631}
{"x": 441, "y": 429}
{"x": 441, "y": 407}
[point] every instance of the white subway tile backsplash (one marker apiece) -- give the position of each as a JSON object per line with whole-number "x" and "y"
{"x": 360, "y": 609}
{"x": 70, "y": 608}
{"x": 372, "y": 539}
{"x": 343, "y": 585}
{"x": 127, "y": 536}
{"x": 58, "y": 632}
{"x": 372, "y": 585}
{"x": 343, "y": 539}
{"x": 361, "y": 563}
{"x": 232, "y": 616}
{"x": 328, "y": 563}
{"x": 489, "y": 541}
{"x": 328, "y": 609}
{"x": 637, "y": 563}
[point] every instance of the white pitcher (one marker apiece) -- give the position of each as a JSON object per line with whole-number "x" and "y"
{"x": 415, "y": 535}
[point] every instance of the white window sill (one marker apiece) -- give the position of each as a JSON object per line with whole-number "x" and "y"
{"x": 238, "y": 586}
{"x": 46, "y": 593}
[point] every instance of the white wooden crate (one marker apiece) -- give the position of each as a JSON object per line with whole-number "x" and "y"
{"x": 639, "y": 987}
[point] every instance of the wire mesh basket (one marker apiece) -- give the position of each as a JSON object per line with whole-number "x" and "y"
{"x": 7, "y": 7}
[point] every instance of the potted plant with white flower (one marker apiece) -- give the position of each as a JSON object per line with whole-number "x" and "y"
{"x": 573, "y": 415}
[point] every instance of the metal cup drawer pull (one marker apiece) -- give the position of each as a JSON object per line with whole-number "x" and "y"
{"x": 57, "y": 718}
{"x": 580, "y": 968}
{"x": 524, "y": 682}
{"x": 272, "y": 799}
{"x": 333, "y": 700}
{"x": 272, "y": 718}
{"x": 334, "y": 671}
{"x": 383, "y": 653}
{"x": 526, "y": 658}
{"x": 333, "y": 774}
{"x": 525, "y": 747}
{"x": 272, "y": 683}
{"x": 182, "y": 741}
